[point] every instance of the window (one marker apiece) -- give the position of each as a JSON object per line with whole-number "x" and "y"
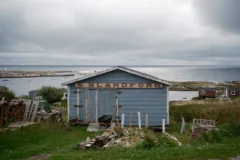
{"x": 232, "y": 92}
{"x": 202, "y": 92}
{"x": 66, "y": 95}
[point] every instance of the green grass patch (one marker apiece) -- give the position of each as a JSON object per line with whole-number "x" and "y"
{"x": 38, "y": 139}
{"x": 228, "y": 148}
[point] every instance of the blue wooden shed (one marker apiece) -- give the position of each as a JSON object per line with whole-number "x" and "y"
{"x": 128, "y": 90}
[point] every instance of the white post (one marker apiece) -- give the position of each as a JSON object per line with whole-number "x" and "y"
{"x": 146, "y": 120}
{"x": 86, "y": 105}
{"x": 2, "y": 100}
{"x": 163, "y": 125}
{"x": 139, "y": 120}
{"x": 117, "y": 107}
{"x": 122, "y": 120}
{"x": 168, "y": 117}
{"x": 130, "y": 121}
{"x": 78, "y": 102}
{"x": 182, "y": 126}
{"x": 96, "y": 103}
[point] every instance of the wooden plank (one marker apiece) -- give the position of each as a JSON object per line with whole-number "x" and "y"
{"x": 28, "y": 105}
{"x": 30, "y": 111}
{"x": 39, "y": 116}
{"x": 34, "y": 111}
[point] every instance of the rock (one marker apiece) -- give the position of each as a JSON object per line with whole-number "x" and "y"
{"x": 118, "y": 141}
{"x": 109, "y": 144}
{"x": 88, "y": 139}
{"x": 142, "y": 134}
{"x": 93, "y": 127}
{"x": 125, "y": 132}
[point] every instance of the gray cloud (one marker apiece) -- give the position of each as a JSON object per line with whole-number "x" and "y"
{"x": 116, "y": 32}
{"x": 223, "y": 14}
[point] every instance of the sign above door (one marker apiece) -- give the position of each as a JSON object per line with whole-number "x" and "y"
{"x": 119, "y": 85}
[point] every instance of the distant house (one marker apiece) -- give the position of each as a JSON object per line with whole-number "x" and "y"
{"x": 32, "y": 94}
{"x": 234, "y": 92}
{"x": 65, "y": 94}
{"x": 207, "y": 93}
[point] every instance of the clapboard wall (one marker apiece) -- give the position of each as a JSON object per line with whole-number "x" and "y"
{"x": 154, "y": 102}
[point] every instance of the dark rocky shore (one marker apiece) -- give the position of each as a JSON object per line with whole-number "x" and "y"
{"x": 30, "y": 74}
{"x": 195, "y": 85}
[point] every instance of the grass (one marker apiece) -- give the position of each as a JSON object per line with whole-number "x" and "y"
{"x": 38, "y": 139}
{"x": 42, "y": 139}
{"x": 48, "y": 138}
{"x": 222, "y": 112}
{"x": 229, "y": 148}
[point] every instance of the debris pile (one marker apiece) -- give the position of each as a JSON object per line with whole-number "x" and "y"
{"x": 202, "y": 125}
{"x": 198, "y": 130}
{"x": 27, "y": 112}
{"x": 126, "y": 137}
{"x": 11, "y": 112}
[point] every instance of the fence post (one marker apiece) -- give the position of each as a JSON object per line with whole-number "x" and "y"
{"x": 78, "y": 103}
{"x": 139, "y": 120}
{"x": 193, "y": 124}
{"x": 163, "y": 125}
{"x": 182, "y": 126}
{"x": 146, "y": 120}
{"x": 130, "y": 120}
{"x": 122, "y": 120}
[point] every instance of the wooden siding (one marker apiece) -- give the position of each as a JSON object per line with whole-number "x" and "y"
{"x": 237, "y": 93}
{"x": 73, "y": 101}
{"x": 151, "y": 101}
{"x": 208, "y": 93}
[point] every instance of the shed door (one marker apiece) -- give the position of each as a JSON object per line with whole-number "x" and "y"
{"x": 106, "y": 102}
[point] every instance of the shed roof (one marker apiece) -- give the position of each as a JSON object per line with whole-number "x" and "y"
{"x": 125, "y": 69}
{"x": 208, "y": 89}
{"x": 234, "y": 89}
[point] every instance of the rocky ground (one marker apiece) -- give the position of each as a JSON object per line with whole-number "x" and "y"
{"x": 27, "y": 74}
{"x": 195, "y": 85}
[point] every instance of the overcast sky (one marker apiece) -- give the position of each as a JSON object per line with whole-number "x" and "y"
{"x": 120, "y": 32}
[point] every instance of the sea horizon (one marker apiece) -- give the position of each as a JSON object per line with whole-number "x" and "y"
{"x": 49, "y": 65}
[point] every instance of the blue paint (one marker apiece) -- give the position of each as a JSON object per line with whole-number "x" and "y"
{"x": 151, "y": 101}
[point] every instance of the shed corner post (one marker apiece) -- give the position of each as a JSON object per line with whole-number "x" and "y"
{"x": 68, "y": 103}
{"x": 78, "y": 104}
{"x": 168, "y": 121}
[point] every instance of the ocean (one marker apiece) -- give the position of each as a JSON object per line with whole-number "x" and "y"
{"x": 21, "y": 86}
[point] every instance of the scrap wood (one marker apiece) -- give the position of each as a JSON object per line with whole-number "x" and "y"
{"x": 20, "y": 124}
{"x": 11, "y": 112}
{"x": 109, "y": 138}
{"x": 201, "y": 125}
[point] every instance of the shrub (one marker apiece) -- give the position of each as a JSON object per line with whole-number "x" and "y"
{"x": 221, "y": 112}
{"x": 51, "y": 94}
{"x": 152, "y": 140}
{"x": 7, "y": 94}
{"x": 217, "y": 135}
{"x": 164, "y": 141}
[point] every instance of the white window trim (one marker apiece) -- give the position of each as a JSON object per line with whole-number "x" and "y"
{"x": 202, "y": 92}
{"x": 233, "y": 93}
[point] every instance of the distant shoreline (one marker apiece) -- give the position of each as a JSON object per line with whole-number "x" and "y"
{"x": 6, "y": 74}
{"x": 175, "y": 85}
{"x": 67, "y": 75}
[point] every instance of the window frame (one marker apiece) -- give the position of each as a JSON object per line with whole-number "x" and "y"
{"x": 233, "y": 93}
{"x": 202, "y": 91}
